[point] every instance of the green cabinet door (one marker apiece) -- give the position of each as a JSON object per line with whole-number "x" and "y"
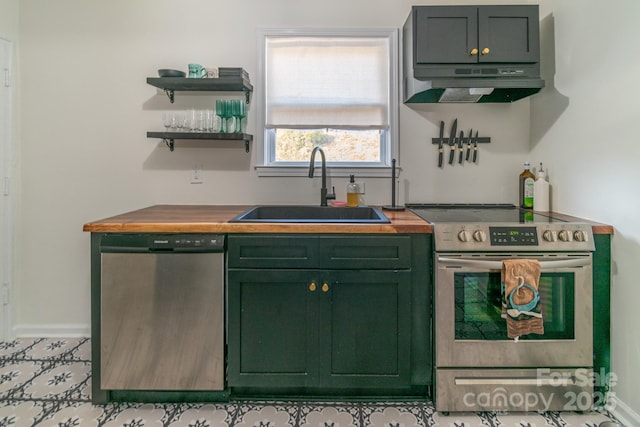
{"x": 482, "y": 34}
{"x": 328, "y": 315}
{"x": 272, "y": 331}
{"x": 365, "y": 330}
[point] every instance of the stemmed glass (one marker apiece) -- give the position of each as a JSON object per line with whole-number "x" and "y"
{"x": 242, "y": 113}
{"x": 222, "y": 112}
{"x": 234, "y": 114}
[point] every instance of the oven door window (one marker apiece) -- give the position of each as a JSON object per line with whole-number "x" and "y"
{"x": 478, "y": 307}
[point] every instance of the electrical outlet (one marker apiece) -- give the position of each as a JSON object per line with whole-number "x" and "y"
{"x": 361, "y": 186}
{"x": 196, "y": 175}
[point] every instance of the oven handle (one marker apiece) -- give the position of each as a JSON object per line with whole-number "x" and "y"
{"x": 497, "y": 265}
{"x": 564, "y": 382}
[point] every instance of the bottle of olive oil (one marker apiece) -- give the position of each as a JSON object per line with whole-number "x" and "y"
{"x": 527, "y": 179}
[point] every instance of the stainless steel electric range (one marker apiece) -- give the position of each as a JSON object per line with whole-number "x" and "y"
{"x": 477, "y": 367}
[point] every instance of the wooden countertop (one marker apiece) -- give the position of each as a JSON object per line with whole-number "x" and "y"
{"x": 214, "y": 219}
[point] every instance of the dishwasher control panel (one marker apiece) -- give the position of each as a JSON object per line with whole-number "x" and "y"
{"x": 188, "y": 241}
{"x": 151, "y": 242}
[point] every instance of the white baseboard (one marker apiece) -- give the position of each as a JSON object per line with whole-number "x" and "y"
{"x": 623, "y": 413}
{"x": 52, "y": 331}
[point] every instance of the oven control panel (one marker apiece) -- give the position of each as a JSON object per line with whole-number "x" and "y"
{"x": 515, "y": 237}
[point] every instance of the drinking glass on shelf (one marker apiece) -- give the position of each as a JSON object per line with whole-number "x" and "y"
{"x": 180, "y": 120}
{"x": 242, "y": 113}
{"x": 209, "y": 120}
{"x": 235, "y": 111}
{"x": 191, "y": 120}
{"x": 200, "y": 121}
{"x": 221, "y": 111}
{"x": 167, "y": 118}
{"x": 174, "y": 122}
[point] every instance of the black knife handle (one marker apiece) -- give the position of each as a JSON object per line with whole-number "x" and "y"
{"x": 475, "y": 154}
{"x": 440, "y": 155}
{"x": 466, "y": 157}
{"x": 452, "y": 154}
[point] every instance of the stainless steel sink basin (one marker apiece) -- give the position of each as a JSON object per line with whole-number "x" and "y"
{"x": 325, "y": 214}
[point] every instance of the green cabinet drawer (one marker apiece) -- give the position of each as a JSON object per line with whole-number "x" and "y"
{"x": 272, "y": 251}
{"x": 365, "y": 252}
{"x": 311, "y": 251}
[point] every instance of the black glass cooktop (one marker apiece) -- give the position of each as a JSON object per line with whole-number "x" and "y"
{"x": 470, "y": 213}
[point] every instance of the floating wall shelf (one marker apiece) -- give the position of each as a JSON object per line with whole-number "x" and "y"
{"x": 169, "y": 137}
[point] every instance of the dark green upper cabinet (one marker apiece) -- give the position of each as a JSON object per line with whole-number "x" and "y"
{"x": 477, "y": 34}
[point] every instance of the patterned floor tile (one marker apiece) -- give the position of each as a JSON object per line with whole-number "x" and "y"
{"x": 209, "y": 415}
{"x": 266, "y": 415}
{"x": 329, "y": 416}
{"x": 47, "y": 382}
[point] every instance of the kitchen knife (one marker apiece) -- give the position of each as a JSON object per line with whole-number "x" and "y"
{"x": 452, "y": 140}
{"x": 440, "y": 144}
{"x": 466, "y": 157}
{"x": 460, "y": 149}
{"x": 475, "y": 148}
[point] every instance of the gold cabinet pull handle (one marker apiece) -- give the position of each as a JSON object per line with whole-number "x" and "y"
{"x": 312, "y": 287}
{"x": 474, "y": 51}
{"x": 485, "y": 51}
{"x": 325, "y": 287}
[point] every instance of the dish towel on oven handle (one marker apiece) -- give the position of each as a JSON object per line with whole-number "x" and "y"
{"x": 521, "y": 304}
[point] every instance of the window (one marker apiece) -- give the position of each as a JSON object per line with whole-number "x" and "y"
{"x": 336, "y": 89}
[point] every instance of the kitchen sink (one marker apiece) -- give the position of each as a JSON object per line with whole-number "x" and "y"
{"x": 324, "y": 214}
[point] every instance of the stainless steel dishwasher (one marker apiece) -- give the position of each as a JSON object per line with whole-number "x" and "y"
{"x": 162, "y": 312}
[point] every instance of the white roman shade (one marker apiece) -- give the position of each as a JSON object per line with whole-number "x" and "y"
{"x": 327, "y": 82}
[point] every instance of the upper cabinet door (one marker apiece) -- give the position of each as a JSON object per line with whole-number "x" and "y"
{"x": 446, "y": 34}
{"x": 476, "y": 34}
{"x": 508, "y": 33}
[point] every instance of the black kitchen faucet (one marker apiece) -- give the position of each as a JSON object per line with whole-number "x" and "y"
{"x": 323, "y": 191}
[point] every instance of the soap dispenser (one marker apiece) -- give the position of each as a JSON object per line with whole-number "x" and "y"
{"x": 541, "y": 192}
{"x": 353, "y": 192}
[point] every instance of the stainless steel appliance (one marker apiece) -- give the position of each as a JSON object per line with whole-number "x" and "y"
{"x": 162, "y": 312}
{"x": 477, "y": 367}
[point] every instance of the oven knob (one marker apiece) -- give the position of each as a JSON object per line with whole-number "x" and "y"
{"x": 479, "y": 236}
{"x": 549, "y": 235}
{"x": 580, "y": 236}
{"x": 565, "y": 235}
{"x": 464, "y": 236}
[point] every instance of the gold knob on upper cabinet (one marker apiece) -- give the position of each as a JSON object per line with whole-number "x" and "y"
{"x": 325, "y": 287}
{"x": 485, "y": 51}
{"x": 474, "y": 51}
{"x": 312, "y": 287}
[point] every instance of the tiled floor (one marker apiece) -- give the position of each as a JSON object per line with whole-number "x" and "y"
{"x": 47, "y": 382}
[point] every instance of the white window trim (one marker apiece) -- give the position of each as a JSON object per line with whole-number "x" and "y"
{"x": 344, "y": 170}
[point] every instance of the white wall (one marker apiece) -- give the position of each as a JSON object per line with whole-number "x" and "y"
{"x": 86, "y": 107}
{"x": 584, "y": 127}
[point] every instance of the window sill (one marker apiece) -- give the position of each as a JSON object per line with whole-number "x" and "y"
{"x": 332, "y": 171}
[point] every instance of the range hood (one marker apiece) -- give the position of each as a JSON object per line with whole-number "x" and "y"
{"x": 469, "y": 90}
{"x": 471, "y": 54}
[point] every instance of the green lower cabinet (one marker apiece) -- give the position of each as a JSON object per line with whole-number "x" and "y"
{"x": 272, "y": 329}
{"x": 365, "y": 330}
{"x": 319, "y": 330}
